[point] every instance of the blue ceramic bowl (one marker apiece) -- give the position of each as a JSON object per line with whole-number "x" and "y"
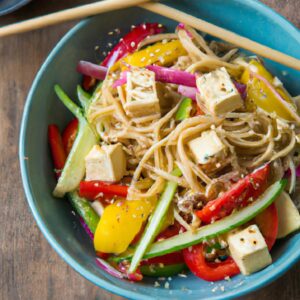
{"x": 7, "y": 6}
{"x": 54, "y": 217}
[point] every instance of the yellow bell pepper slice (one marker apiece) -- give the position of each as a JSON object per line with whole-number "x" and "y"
{"x": 162, "y": 54}
{"x": 120, "y": 223}
{"x": 259, "y": 93}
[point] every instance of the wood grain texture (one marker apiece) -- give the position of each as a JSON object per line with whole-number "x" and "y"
{"x": 29, "y": 268}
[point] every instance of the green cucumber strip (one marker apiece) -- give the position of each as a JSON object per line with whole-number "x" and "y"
{"x": 165, "y": 271}
{"x": 84, "y": 98}
{"x": 187, "y": 239}
{"x": 184, "y": 109}
{"x": 84, "y": 209}
{"x": 74, "y": 169}
{"x": 155, "y": 222}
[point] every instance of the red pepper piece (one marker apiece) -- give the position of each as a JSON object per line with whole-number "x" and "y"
{"x": 57, "y": 149}
{"x": 267, "y": 221}
{"x": 69, "y": 135}
{"x": 241, "y": 194}
{"x": 195, "y": 260}
{"x": 92, "y": 189}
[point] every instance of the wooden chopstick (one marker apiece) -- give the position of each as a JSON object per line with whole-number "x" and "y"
{"x": 223, "y": 34}
{"x": 68, "y": 15}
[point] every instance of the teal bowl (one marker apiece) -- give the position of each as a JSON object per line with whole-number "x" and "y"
{"x": 61, "y": 228}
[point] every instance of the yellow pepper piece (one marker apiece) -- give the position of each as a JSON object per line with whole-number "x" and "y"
{"x": 120, "y": 223}
{"x": 259, "y": 93}
{"x": 160, "y": 54}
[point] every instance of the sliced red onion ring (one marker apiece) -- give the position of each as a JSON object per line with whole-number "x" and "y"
{"x": 92, "y": 70}
{"x": 173, "y": 76}
{"x": 188, "y": 91}
{"x": 122, "y": 80}
{"x": 242, "y": 89}
{"x": 277, "y": 95}
{"x": 86, "y": 228}
{"x": 105, "y": 266}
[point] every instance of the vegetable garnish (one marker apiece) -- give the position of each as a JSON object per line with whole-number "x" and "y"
{"x": 241, "y": 194}
{"x": 99, "y": 189}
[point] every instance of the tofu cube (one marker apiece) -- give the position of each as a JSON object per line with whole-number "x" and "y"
{"x": 218, "y": 92}
{"x": 249, "y": 250}
{"x": 141, "y": 94}
{"x": 106, "y": 163}
{"x": 206, "y": 147}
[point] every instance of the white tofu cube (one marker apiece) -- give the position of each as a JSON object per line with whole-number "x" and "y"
{"x": 206, "y": 147}
{"x": 288, "y": 215}
{"x": 249, "y": 250}
{"x": 141, "y": 94}
{"x": 106, "y": 163}
{"x": 218, "y": 92}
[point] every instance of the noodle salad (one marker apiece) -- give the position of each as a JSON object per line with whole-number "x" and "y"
{"x": 183, "y": 155}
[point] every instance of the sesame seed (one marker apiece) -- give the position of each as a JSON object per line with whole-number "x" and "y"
{"x": 227, "y": 278}
{"x": 182, "y": 275}
{"x": 143, "y": 59}
{"x": 157, "y": 50}
{"x": 169, "y": 278}
{"x": 151, "y": 55}
{"x": 167, "y": 285}
{"x": 96, "y": 47}
{"x": 111, "y": 33}
{"x": 117, "y": 30}
{"x": 156, "y": 284}
{"x": 132, "y": 44}
{"x": 160, "y": 25}
{"x": 109, "y": 44}
{"x": 132, "y": 26}
{"x": 222, "y": 288}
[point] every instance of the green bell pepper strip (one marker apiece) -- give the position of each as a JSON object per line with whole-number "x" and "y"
{"x": 84, "y": 209}
{"x": 184, "y": 109}
{"x": 74, "y": 169}
{"x": 163, "y": 271}
{"x": 156, "y": 221}
{"x": 188, "y": 238}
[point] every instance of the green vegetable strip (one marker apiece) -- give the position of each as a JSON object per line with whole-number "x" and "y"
{"x": 184, "y": 109}
{"x": 74, "y": 169}
{"x": 156, "y": 222}
{"x": 165, "y": 271}
{"x": 73, "y": 108}
{"x": 84, "y": 98}
{"x": 187, "y": 239}
{"x": 84, "y": 209}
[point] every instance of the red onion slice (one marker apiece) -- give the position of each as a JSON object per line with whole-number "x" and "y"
{"x": 92, "y": 70}
{"x": 187, "y": 91}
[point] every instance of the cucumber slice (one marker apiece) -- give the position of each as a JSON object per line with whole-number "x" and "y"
{"x": 222, "y": 226}
{"x": 74, "y": 169}
{"x": 165, "y": 271}
{"x": 156, "y": 221}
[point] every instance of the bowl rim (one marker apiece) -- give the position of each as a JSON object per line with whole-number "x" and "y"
{"x": 250, "y": 287}
{"x": 10, "y": 8}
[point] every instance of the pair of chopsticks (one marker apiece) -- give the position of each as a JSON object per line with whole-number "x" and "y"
{"x": 161, "y": 9}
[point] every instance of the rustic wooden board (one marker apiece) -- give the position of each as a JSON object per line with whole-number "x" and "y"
{"x": 29, "y": 267}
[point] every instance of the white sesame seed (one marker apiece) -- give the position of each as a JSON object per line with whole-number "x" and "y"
{"x": 111, "y": 33}
{"x": 156, "y": 284}
{"x": 109, "y": 44}
{"x": 167, "y": 285}
{"x": 182, "y": 275}
{"x": 132, "y": 44}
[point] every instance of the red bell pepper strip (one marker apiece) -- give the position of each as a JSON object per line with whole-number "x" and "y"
{"x": 92, "y": 189}
{"x": 127, "y": 44}
{"x": 57, "y": 149}
{"x": 195, "y": 260}
{"x": 130, "y": 41}
{"x": 69, "y": 135}
{"x": 241, "y": 194}
{"x": 267, "y": 221}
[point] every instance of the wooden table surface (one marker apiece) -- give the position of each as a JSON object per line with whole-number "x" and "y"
{"x": 29, "y": 267}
